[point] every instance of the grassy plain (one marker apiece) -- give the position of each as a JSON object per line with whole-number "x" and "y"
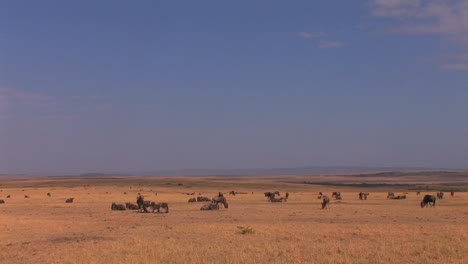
{"x": 44, "y": 229}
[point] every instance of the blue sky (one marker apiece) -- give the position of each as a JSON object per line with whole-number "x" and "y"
{"x": 154, "y": 85}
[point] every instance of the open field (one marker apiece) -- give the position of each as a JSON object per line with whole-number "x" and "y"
{"x": 44, "y": 229}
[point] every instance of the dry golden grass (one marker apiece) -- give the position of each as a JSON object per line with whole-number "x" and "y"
{"x": 44, "y": 229}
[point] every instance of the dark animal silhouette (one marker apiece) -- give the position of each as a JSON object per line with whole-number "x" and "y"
{"x": 452, "y": 193}
{"x": 440, "y": 195}
{"x": 48, "y": 194}
{"x": 8, "y": 196}
{"x": 210, "y": 206}
{"x": 399, "y": 197}
{"x": 220, "y": 200}
{"x": 131, "y": 206}
{"x": 334, "y": 194}
{"x": 390, "y": 195}
{"x": 2, "y": 201}
{"x": 203, "y": 199}
{"x": 363, "y": 196}
{"x": 325, "y": 202}
{"x": 69, "y": 200}
{"x": 117, "y": 207}
{"x": 140, "y": 201}
{"x": 192, "y": 200}
{"x": 428, "y": 200}
{"x": 26, "y": 196}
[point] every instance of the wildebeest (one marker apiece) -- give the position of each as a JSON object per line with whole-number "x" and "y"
{"x": 278, "y": 200}
{"x": 131, "y": 206}
{"x": 140, "y": 200}
{"x": 118, "y": 207}
{"x": 440, "y": 195}
{"x": 334, "y": 194}
{"x": 153, "y": 207}
{"x": 192, "y": 193}
{"x": 452, "y": 193}
{"x": 192, "y": 200}
{"x": 203, "y": 199}
{"x": 325, "y": 202}
{"x": 428, "y": 199}
{"x": 287, "y": 195}
{"x": 390, "y": 195}
{"x": 210, "y": 206}
{"x": 69, "y": 200}
{"x": 48, "y": 194}
{"x": 399, "y": 197}
{"x": 2, "y": 201}
{"x": 26, "y": 196}
{"x": 220, "y": 200}
{"x": 418, "y": 193}
{"x": 272, "y": 194}
{"x": 363, "y": 196}
{"x": 232, "y": 193}
{"x": 8, "y": 196}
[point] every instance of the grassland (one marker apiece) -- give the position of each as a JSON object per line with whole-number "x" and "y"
{"x": 44, "y": 229}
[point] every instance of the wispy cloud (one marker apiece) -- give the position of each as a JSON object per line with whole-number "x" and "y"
{"x": 330, "y": 44}
{"x": 10, "y": 97}
{"x": 310, "y": 35}
{"x": 455, "y": 66}
{"x": 322, "y": 43}
{"x": 447, "y": 18}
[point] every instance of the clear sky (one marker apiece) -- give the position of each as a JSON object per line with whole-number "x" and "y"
{"x": 151, "y": 85}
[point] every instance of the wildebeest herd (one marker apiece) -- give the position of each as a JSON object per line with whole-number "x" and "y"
{"x": 144, "y": 206}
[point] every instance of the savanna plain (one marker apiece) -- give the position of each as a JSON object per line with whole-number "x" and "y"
{"x": 43, "y": 229}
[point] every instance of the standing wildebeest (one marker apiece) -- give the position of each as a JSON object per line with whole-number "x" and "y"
{"x": 192, "y": 200}
{"x": 452, "y": 193}
{"x": 428, "y": 199}
{"x": 131, "y": 206}
{"x": 232, "y": 193}
{"x": 287, "y": 195}
{"x": 69, "y": 200}
{"x": 210, "y": 206}
{"x": 220, "y": 200}
{"x": 140, "y": 201}
{"x": 117, "y": 207}
{"x": 440, "y": 195}
{"x": 390, "y": 195}
{"x": 325, "y": 202}
{"x": 48, "y": 194}
{"x": 363, "y": 196}
{"x": 2, "y": 201}
{"x": 336, "y": 194}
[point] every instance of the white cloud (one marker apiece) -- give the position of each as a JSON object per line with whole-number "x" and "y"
{"x": 330, "y": 44}
{"x": 440, "y": 17}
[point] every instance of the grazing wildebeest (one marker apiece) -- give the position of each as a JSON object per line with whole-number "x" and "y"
{"x": 440, "y": 195}
{"x": 428, "y": 199}
{"x": 210, "y": 206}
{"x": 278, "y": 200}
{"x": 452, "y": 193}
{"x": 48, "y": 194}
{"x": 69, "y": 200}
{"x": 2, "y": 201}
{"x": 220, "y": 200}
{"x": 117, "y": 207}
{"x": 131, "y": 206}
{"x": 8, "y": 196}
{"x": 203, "y": 199}
{"x": 192, "y": 200}
{"x": 325, "y": 202}
{"x": 390, "y": 195}
{"x": 363, "y": 196}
